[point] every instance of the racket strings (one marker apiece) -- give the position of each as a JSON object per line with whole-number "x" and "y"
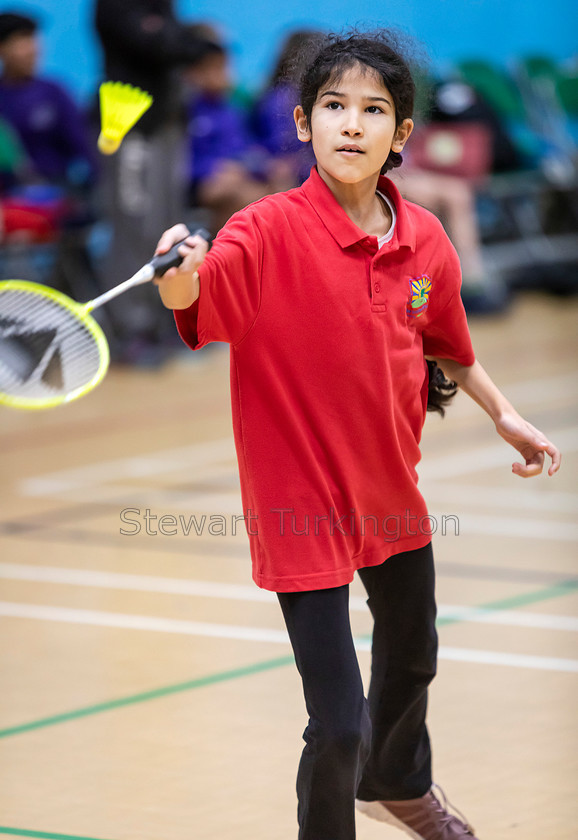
{"x": 45, "y": 348}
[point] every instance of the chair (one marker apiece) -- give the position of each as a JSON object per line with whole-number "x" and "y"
{"x": 519, "y": 242}
{"x": 551, "y": 93}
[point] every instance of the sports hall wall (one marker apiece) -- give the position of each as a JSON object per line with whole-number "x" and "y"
{"x": 451, "y": 30}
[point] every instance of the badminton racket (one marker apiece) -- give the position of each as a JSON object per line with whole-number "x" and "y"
{"x": 52, "y": 350}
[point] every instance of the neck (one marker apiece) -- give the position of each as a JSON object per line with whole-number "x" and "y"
{"x": 361, "y": 203}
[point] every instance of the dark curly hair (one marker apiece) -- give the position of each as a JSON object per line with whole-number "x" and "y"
{"x": 331, "y": 56}
{"x": 441, "y": 390}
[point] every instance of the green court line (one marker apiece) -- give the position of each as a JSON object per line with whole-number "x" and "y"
{"x": 42, "y": 835}
{"x": 190, "y": 685}
{"x": 516, "y": 601}
{"x": 557, "y": 590}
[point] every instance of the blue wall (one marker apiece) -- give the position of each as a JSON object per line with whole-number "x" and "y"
{"x": 499, "y": 30}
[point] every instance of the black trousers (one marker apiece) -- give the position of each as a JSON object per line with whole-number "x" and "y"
{"x": 356, "y": 748}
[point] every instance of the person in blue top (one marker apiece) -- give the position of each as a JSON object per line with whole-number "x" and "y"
{"x": 49, "y": 124}
{"x": 273, "y": 111}
{"x": 228, "y": 168}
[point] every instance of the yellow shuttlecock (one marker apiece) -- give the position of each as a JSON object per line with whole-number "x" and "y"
{"x": 121, "y": 106}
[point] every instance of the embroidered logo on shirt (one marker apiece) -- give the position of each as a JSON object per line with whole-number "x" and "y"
{"x": 420, "y": 288}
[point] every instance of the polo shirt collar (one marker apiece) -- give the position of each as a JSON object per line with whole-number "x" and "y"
{"x": 338, "y": 223}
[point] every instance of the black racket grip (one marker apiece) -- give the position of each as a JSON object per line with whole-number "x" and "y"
{"x": 162, "y": 262}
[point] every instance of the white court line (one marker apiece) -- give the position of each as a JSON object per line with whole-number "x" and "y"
{"x": 217, "y": 458}
{"x": 530, "y": 498}
{"x": 141, "y": 622}
{"x": 509, "y": 618}
{"x": 541, "y": 391}
{"x": 257, "y": 634}
{"x": 214, "y": 462}
{"x": 495, "y": 524}
{"x": 139, "y": 583}
{"x": 240, "y": 592}
{"x": 202, "y": 461}
{"x": 510, "y": 660}
{"x": 529, "y": 392}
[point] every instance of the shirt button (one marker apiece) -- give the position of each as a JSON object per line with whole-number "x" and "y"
{"x": 377, "y": 288}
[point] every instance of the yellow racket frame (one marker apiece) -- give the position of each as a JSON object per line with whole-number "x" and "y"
{"x": 82, "y": 314}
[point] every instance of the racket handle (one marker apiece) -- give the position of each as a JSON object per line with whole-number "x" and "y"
{"x": 156, "y": 267}
{"x": 162, "y": 262}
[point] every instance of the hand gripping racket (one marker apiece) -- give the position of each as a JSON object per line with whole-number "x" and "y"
{"x": 52, "y": 350}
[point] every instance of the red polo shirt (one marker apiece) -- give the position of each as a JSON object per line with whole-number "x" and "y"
{"x": 328, "y": 377}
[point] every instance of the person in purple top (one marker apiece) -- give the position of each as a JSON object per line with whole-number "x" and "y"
{"x": 273, "y": 112}
{"x": 228, "y": 169}
{"x": 50, "y": 125}
{"x": 218, "y": 131}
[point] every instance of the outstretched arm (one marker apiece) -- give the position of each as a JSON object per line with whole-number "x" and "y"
{"x": 529, "y": 441}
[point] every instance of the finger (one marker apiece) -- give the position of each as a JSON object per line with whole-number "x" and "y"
{"x": 170, "y": 237}
{"x": 190, "y": 243}
{"x": 197, "y": 241}
{"x": 185, "y": 249}
{"x": 556, "y": 457}
{"x": 168, "y": 275}
{"x": 546, "y": 446}
{"x": 531, "y": 468}
{"x": 192, "y": 258}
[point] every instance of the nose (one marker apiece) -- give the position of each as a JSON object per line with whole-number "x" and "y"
{"x": 352, "y": 123}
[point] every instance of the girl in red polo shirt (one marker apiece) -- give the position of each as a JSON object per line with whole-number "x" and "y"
{"x": 331, "y": 296}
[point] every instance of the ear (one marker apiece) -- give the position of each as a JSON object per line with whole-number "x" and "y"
{"x": 401, "y": 135}
{"x": 303, "y": 131}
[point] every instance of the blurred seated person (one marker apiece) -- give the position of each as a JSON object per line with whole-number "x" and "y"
{"x": 50, "y": 126}
{"x": 21, "y": 221}
{"x": 13, "y": 159}
{"x": 273, "y": 112}
{"x": 228, "y": 170}
{"x": 452, "y": 200}
{"x": 448, "y": 186}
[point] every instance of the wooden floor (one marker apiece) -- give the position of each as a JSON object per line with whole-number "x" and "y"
{"x": 148, "y": 691}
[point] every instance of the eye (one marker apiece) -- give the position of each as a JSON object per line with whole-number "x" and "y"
{"x": 333, "y": 106}
{"x": 374, "y": 109}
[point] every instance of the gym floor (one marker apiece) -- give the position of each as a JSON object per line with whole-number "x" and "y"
{"x": 148, "y": 688}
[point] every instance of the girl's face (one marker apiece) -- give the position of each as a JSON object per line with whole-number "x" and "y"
{"x": 353, "y": 126}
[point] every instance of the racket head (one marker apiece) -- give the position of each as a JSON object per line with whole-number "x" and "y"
{"x": 52, "y": 351}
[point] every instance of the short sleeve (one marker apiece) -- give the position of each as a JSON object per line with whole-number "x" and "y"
{"x": 230, "y": 286}
{"x": 446, "y": 334}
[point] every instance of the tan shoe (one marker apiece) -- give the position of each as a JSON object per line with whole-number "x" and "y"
{"x": 425, "y": 818}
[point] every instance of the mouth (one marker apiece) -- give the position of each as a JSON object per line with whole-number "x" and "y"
{"x": 351, "y": 149}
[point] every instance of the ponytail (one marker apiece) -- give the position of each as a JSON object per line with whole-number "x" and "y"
{"x": 441, "y": 390}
